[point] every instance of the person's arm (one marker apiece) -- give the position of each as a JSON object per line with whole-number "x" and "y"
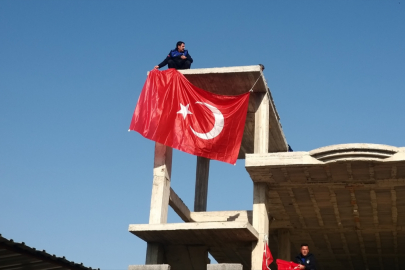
{"x": 298, "y": 260}
{"x": 164, "y": 62}
{"x": 187, "y": 58}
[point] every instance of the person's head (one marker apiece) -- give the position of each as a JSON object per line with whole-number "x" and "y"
{"x": 180, "y": 46}
{"x": 304, "y": 249}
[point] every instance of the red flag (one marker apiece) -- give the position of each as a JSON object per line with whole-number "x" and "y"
{"x": 267, "y": 257}
{"x": 284, "y": 265}
{"x": 175, "y": 113}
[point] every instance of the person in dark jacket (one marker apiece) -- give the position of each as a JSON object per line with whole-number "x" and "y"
{"x": 305, "y": 259}
{"x": 178, "y": 58}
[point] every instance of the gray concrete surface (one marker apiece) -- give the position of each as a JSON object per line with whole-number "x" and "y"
{"x": 225, "y": 266}
{"x": 149, "y": 267}
{"x": 346, "y": 201}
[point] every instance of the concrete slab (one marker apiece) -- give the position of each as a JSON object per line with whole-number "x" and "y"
{"x": 206, "y": 233}
{"x": 149, "y": 267}
{"x": 225, "y": 266}
{"x": 227, "y": 80}
{"x": 227, "y": 242}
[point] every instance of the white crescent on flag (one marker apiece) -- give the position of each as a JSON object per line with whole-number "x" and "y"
{"x": 218, "y": 125}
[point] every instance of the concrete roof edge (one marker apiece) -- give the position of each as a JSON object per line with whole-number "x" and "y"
{"x": 280, "y": 159}
{"x": 399, "y": 156}
{"x": 328, "y": 154}
{"x": 188, "y": 226}
{"x": 354, "y": 152}
{"x": 354, "y": 146}
{"x": 234, "y": 69}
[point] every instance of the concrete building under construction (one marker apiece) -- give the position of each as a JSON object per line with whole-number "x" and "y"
{"x": 346, "y": 201}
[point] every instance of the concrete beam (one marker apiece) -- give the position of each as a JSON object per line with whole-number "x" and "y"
{"x": 223, "y": 70}
{"x": 280, "y": 159}
{"x": 179, "y": 207}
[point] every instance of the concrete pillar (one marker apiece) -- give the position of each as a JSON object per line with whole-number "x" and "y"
{"x": 261, "y": 146}
{"x": 155, "y": 253}
{"x": 284, "y": 244}
{"x": 261, "y": 140}
{"x": 187, "y": 257}
{"x": 199, "y": 255}
{"x": 260, "y": 223}
{"x": 201, "y": 184}
{"x": 160, "y": 198}
{"x": 161, "y": 184}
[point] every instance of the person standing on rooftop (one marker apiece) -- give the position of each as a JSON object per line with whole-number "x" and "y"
{"x": 179, "y": 58}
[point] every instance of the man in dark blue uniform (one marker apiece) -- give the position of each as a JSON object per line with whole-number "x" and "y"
{"x": 178, "y": 58}
{"x": 305, "y": 259}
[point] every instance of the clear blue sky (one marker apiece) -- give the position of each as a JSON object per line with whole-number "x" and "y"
{"x": 72, "y": 178}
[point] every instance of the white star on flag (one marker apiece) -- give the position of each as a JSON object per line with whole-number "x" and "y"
{"x": 184, "y": 110}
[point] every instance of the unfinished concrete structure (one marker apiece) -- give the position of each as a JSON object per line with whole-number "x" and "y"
{"x": 343, "y": 200}
{"x": 346, "y": 201}
{"x": 232, "y": 236}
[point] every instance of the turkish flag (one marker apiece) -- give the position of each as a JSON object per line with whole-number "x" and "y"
{"x": 267, "y": 257}
{"x": 284, "y": 265}
{"x": 175, "y": 113}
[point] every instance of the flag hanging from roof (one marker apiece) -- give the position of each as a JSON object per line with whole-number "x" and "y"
{"x": 267, "y": 257}
{"x": 173, "y": 112}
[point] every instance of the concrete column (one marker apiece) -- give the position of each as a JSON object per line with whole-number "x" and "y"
{"x": 261, "y": 146}
{"x": 187, "y": 257}
{"x": 261, "y": 140}
{"x": 284, "y": 244}
{"x": 161, "y": 184}
{"x": 201, "y": 184}
{"x": 260, "y": 223}
{"x": 155, "y": 253}
{"x": 160, "y": 198}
